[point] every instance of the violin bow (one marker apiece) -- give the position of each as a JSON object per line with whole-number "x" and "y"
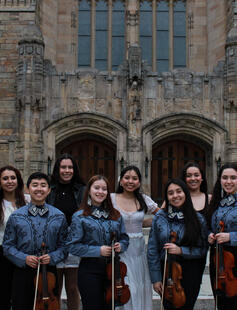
{"x": 36, "y": 284}
{"x": 163, "y": 282}
{"x": 217, "y": 264}
{"x": 113, "y": 256}
{"x": 113, "y": 276}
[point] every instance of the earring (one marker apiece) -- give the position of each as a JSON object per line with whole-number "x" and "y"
{"x": 222, "y": 193}
{"x": 89, "y": 201}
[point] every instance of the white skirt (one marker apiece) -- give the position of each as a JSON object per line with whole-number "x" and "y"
{"x": 138, "y": 277}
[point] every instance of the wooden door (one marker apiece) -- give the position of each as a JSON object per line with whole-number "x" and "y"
{"x": 94, "y": 156}
{"x": 168, "y": 160}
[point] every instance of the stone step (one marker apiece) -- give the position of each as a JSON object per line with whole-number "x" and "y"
{"x": 201, "y": 304}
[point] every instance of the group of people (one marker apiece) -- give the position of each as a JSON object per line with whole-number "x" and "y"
{"x": 83, "y": 226}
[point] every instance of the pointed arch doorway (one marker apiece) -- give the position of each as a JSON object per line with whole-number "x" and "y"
{"x": 94, "y": 155}
{"x": 168, "y": 160}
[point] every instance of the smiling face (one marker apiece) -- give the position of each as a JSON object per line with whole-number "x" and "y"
{"x": 130, "y": 181}
{"x": 193, "y": 178}
{"x": 66, "y": 171}
{"x": 98, "y": 192}
{"x": 175, "y": 195}
{"x": 229, "y": 180}
{"x": 38, "y": 190}
{"x": 8, "y": 181}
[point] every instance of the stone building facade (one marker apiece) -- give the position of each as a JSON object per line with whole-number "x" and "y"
{"x": 110, "y": 118}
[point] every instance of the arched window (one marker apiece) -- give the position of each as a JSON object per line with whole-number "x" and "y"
{"x": 101, "y": 34}
{"x": 163, "y": 33}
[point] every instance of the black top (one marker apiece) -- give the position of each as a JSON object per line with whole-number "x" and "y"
{"x": 204, "y": 210}
{"x": 65, "y": 200}
{"x": 66, "y": 197}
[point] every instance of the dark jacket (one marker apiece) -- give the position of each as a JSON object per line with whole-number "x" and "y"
{"x": 78, "y": 191}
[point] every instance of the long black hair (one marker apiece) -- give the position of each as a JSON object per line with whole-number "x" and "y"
{"x": 217, "y": 190}
{"x": 19, "y": 192}
{"x": 137, "y": 193}
{"x": 191, "y": 222}
{"x": 203, "y": 186}
{"x": 55, "y": 178}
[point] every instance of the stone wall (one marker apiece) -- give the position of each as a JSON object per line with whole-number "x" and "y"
{"x": 44, "y": 97}
{"x": 14, "y": 17}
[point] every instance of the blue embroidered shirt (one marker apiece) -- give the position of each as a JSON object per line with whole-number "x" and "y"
{"x": 28, "y": 227}
{"x": 226, "y": 212}
{"x": 159, "y": 235}
{"x": 88, "y": 233}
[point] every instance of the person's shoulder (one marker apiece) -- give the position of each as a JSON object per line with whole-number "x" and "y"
{"x": 77, "y": 213}
{"x": 161, "y": 213}
{"x": 21, "y": 210}
{"x": 54, "y": 210}
{"x": 79, "y": 186}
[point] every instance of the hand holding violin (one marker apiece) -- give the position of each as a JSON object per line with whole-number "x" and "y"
{"x": 173, "y": 248}
{"x": 222, "y": 237}
{"x": 32, "y": 261}
{"x": 211, "y": 238}
{"x": 106, "y": 250}
{"x": 158, "y": 287}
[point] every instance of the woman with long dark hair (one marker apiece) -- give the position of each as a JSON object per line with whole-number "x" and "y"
{"x": 90, "y": 238}
{"x": 223, "y": 213}
{"x": 11, "y": 198}
{"x": 190, "y": 227}
{"x": 195, "y": 179}
{"x": 133, "y": 205}
{"x": 66, "y": 194}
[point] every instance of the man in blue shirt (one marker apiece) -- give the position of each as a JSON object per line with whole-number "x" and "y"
{"x": 27, "y": 229}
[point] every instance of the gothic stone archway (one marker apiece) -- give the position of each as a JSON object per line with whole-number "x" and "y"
{"x": 93, "y": 155}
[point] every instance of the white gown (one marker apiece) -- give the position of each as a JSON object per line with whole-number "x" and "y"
{"x": 138, "y": 277}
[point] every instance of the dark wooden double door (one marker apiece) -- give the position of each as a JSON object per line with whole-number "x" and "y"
{"x": 168, "y": 160}
{"x": 94, "y": 156}
{"x": 97, "y": 156}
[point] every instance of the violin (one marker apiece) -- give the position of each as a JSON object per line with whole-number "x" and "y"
{"x": 117, "y": 292}
{"x": 173, "y": 290}
{"x": 224, "y": 262}
{"x": 45, "y": 283}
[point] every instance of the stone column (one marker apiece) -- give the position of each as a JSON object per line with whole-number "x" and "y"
{"x": 30, "y": 99}
{"x": 134, "y": 101}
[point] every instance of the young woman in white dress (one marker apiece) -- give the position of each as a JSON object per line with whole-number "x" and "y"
{"x": 133, "y": 205}
{"x": 11, "y": 198}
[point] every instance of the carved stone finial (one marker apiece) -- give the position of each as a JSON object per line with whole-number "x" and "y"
{"x": 134, "y": 66}
{"x": 32, "y": 34}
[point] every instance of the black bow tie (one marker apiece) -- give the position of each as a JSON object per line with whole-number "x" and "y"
{"x": 228, "y": 201}
{"x": 100, "y": 213}
{"x": 41, "y": 210}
